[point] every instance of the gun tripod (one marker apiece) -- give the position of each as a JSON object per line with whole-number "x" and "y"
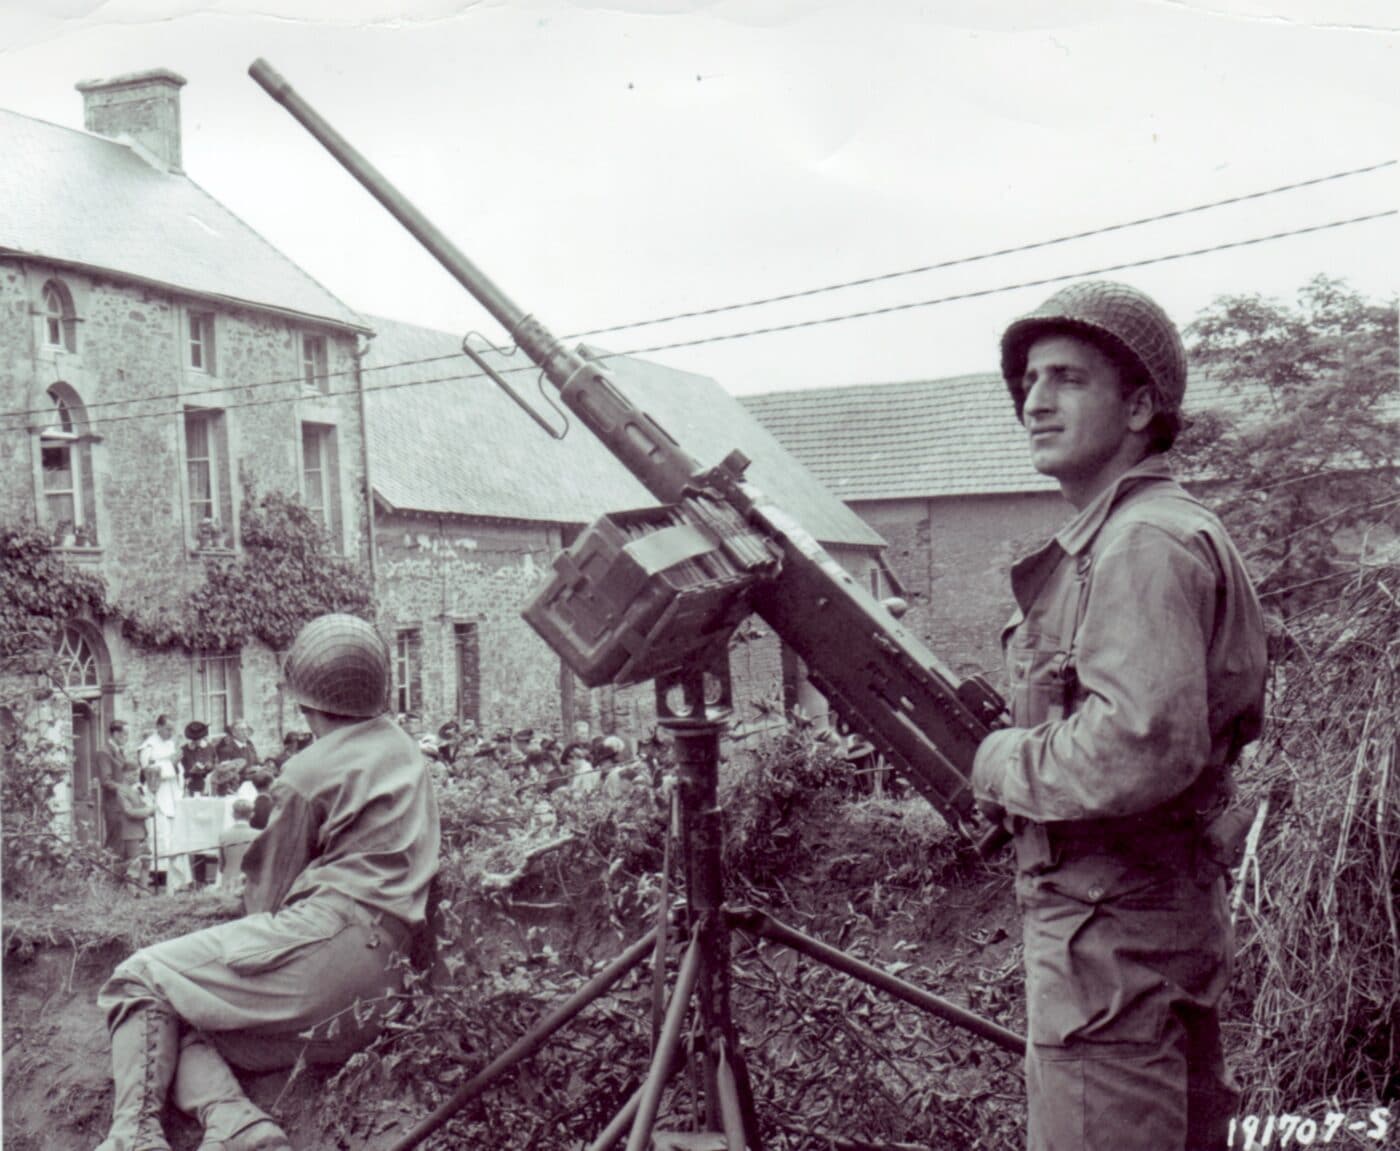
{"x": 693, "y": 707}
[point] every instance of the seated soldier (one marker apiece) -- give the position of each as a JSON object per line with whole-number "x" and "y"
{"x": 333, "y": 888}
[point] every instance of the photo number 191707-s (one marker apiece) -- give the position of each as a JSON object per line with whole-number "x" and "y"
{"x": 1251, "y": 1131}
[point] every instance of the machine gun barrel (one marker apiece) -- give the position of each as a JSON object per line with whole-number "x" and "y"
{"x": 646, "y": 449}
{"x": 879, "y": 677}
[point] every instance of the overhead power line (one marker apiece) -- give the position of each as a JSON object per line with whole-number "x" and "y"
{"x": 961, "y": 260}
{"x": 787, "y": 327}
{"x": 189, "y": 394}
{"x": 889, "y": 308}
{"x": 802, "y": 294}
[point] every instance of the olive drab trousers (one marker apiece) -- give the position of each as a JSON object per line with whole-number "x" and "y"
{"x": 255, "y": 987}
{"x": 1128, "y": 950}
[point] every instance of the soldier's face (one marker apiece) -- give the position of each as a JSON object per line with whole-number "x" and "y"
{"x": 1076, "y": 417}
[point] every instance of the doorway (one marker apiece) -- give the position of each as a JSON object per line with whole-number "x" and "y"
{"x": 85, "y": 669}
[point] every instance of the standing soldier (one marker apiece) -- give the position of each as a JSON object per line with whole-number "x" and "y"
{"x": 1136, "y": 664}
{"x": 333, "y": 888}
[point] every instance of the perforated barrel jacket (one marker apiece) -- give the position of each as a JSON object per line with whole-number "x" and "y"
{"x": 1136, "y": 659}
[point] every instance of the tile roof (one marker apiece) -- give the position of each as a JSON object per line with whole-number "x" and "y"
{"x": 956, "y": 436}
{"x": 462, "y": 447}
{"x": 923, "y": 438}
{"x": 82, "y": 199}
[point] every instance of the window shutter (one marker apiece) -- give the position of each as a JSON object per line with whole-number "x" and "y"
{"x": 234, "y": 667}
{"x": 89, "y": 493}
{"x": 225, "y": 466}
{"x": 415, "y": 663}
{"x": 468, "y": 671}
{"x": 331, "y": 462}
{"x": 201, "y": 701}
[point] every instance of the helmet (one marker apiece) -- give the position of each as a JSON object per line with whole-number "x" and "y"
{"x": 339, "y": 664}
{"x": 1128, "y": 321}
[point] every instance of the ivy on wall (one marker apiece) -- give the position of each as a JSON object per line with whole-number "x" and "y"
{"x": 38, "y": 593}
{"x": 287, "y": 574}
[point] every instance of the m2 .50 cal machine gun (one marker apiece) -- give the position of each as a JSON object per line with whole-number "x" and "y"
{"x": 656, "y": 594}
{"x": 641, "y": 593}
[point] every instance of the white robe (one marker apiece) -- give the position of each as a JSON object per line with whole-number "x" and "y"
{"x": 159, "y": 756}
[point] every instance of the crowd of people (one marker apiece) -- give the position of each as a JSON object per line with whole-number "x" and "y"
{"x": 140, "y": 786}
{"x": 586, "y": 762}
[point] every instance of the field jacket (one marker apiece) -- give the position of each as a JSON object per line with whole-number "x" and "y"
{"x": 353, "y": 815}
{"x": 1136, "y": 659}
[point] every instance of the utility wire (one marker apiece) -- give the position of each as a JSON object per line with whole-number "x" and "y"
{"x": 889, "y": 308}
{"x": 189, "y": 394}
{"x": 723, "y": 308}
{"x": 961, "y": 260}
{"x": 284, "y": 399}
{"x": 796, "y": 324}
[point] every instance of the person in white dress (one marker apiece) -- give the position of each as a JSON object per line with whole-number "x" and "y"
{"x": 165, "y": 777}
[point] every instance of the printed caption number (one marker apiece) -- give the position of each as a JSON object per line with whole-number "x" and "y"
{"x": 1261, "y": 1131}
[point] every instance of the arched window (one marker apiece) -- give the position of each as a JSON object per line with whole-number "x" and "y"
{"x": 77, "y": 661}
{"x": 69, "y": 503}
{"x": 60, "y": 326}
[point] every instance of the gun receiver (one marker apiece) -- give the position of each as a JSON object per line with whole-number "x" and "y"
{"x": 883, "y": 682}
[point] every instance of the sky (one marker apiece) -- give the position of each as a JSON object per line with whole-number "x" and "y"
{"x": 611, "y": 162}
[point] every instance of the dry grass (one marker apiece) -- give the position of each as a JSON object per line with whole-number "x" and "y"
{"x": 94, "y": 914}
{"x": 1317, "y": 996}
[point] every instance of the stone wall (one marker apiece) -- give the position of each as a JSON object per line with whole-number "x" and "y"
{"x": 129, "y": 367}
{"x": 953, "y": 558}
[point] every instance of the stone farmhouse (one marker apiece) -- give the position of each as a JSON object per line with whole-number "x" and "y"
{"x": 159, "y": 360}
{"x": 156, "y": 356}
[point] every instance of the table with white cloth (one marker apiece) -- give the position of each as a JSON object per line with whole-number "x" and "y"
{"x": 194, "y": 830}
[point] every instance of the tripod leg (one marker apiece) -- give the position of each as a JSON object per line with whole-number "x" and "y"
{"x": 758, "y": 923}
{"x": 731, "y": 1107}
{"x": 663, "y": 1061}
{"x": 530, "y": 1042}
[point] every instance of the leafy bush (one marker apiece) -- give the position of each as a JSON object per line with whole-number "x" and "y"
{"x": 287, "y": 574}
{"x": 38, "y": 593}
{"x": 1317, "y": 999}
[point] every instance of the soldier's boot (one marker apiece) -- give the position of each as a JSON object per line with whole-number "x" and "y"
{"x": 144, "y": 1050}
{"x": 207, "y": 1089}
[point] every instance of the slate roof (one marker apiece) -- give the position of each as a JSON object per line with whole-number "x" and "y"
{"x": 461, "y": 446}
{"x": 82, "y": 199}
{"x": 923, "y": 438}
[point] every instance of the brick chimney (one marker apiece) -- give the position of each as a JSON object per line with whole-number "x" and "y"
{"x": 141, "y": 106}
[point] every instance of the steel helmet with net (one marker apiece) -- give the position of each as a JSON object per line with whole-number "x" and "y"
{"x": 1123, "y": 321}
{"x": 339, "y": 664}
